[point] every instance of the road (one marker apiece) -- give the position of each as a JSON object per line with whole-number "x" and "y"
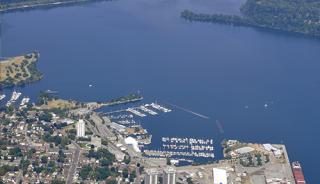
{"x": 74, "y": 164}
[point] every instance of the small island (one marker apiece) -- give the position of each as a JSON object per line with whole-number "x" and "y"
{"x": 19, "y": 70}
{"x": 284, "y": 15}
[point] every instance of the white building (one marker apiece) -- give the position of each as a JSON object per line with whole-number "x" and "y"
{"x": 133, "y": 142}
{"x": 80, "y": 128}
{"x": 151, "y": 176}
{"x": 219, "y": 176}
{"x": 169, "y": 176}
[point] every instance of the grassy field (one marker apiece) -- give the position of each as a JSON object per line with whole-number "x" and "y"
{"x": 59, "y": 104}
{"x": 19, "y": 70}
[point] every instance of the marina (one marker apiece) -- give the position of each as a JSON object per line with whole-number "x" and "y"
{"x": 127, "y": 122}
{"x": 24, "y": 102}
{"x": 205, "y": 78}
{"x": 178, "y": 140}
{"x": 184, "y": 147}
{"x": 159, "y": 153}
{"x": 15, "y": 96}
{"x": 135, "y": 112}
{"x": 140, "y": 111}
{"x": 180, "y": 147}
{"x": 143, "y": 108}
{"x": 159, "y": 107}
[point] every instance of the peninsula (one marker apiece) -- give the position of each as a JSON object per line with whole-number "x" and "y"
{"x": 284, "y": 15}
{"x": 19, "y": 70}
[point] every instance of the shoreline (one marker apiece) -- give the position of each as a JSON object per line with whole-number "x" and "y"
{"x": 235, "y": 20}
{"x": 46, "y": 3}
{"x": 20, "y": 70}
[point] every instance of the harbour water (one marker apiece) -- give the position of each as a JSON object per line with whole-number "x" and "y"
{"x": 260, "y": 86}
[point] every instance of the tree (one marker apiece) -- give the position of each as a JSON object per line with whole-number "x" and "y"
{"x": 57, "y": 181}
{"x": 105, "y": 162}
{"x": 61, "y": 156}
{"x": 125, "y": 173}
{"x": 189, "y": 181}
{"x": 133, "y": 175}
{"x": 127, "y": 160}
{"x": 168, "y": 161}
{"x": 16, "y": 152}
{"x": 102, "y": 173}
{"x": 111, "y": 182}
{"x": 24, "y": 164}
{"x": 46, "y": 116}
{"x": 44, "y": 159}
{"x": 85, "y": 172}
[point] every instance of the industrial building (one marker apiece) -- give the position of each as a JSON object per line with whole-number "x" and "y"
{"x": 219, "y": 176}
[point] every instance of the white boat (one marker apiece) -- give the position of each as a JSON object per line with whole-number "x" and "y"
{"x": 2, "y": 97}
{"x": 143, "y": 108}
{"x": 24, "y": 102}
{"x": 159, "y": 107}
{"x": 15, "y": 96}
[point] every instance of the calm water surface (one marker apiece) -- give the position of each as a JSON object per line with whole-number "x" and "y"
{"x": 216, "y": 70}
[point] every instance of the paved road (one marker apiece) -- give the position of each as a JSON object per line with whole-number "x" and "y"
{"x": 74, "y": 164}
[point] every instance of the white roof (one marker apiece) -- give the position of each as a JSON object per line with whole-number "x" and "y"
{"x": 244, "y": 150}
{"x": 269, "y": 147}
{"x": 277, "y": 153}
{"x": 132, "y": 141}
{"x": 219, "y": 176}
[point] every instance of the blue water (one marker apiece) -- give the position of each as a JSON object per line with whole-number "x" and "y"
{"x": 124, "y": 46}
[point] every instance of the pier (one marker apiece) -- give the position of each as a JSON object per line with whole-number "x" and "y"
{"x": 133, "y": 111}
{"x": 146, "y": 108}
{"x": 143, "y": 108}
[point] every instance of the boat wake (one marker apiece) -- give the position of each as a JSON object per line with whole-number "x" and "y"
{"x": 188, "y": 111}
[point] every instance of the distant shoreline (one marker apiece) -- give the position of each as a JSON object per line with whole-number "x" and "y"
{"x": 298, "y": 17}
{"x": 11, "y": 7}
{"x": 236, "y": 21}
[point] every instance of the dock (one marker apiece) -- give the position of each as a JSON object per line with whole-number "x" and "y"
{"x": 143, "y": 108}
{"x": 133, "y": 111}
{"x": 159, "y": 107}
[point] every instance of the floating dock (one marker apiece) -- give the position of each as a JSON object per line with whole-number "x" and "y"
{"x": 133, "y": 111}
{"x": 143, "y": 108}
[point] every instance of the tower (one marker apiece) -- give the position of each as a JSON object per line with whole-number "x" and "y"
{"x": 80, "y": 128}
{"x": 169, "y": 176}
{"x": 151, "y": 176}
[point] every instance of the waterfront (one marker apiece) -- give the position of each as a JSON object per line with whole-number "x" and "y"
{"x": 226, "y": 73}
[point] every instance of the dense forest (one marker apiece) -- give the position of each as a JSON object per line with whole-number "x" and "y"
{"x": 301, "y": 16}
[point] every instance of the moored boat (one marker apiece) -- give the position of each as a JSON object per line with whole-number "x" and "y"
{"x": 298, "y": 174}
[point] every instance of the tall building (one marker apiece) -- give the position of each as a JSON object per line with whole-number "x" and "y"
{"x": 151, "y": 176}
{"x": 80, "y": 128}
{"x": 169, "y": 176}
